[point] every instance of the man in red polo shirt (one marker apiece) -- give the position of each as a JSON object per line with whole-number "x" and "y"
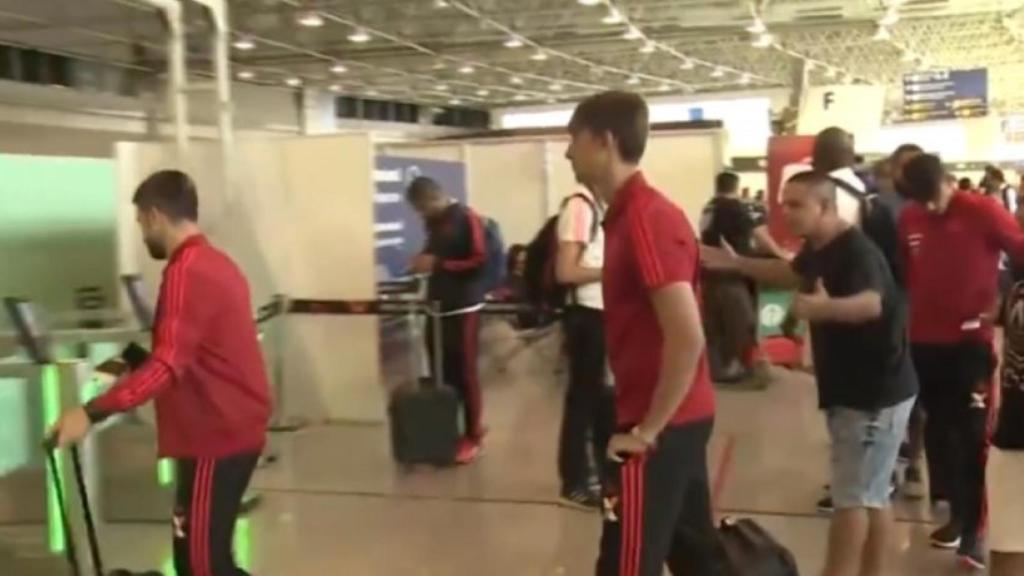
{"x": 660, "y": 510}
{"x": 951, "y": 243}
{"x": 206, "y": 375}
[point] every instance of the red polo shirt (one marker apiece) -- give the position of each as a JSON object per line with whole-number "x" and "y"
{"x": 952, "y": 263}
{"x": 649, "y": 244}
{"x": 206, "y": 371}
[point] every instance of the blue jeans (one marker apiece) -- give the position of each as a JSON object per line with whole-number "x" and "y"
{"x": 865, "y": 447}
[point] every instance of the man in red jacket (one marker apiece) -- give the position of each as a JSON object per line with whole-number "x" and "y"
{"x": 951, "y": 243}
{"x": 205, "y": 373}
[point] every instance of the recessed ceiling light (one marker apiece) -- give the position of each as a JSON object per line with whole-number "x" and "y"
{"x": 757, "y": 26}
{"x": 441, "y": 4}
{"x": 310, "y": 19}
{"x": 633, "y": 33}
{"x": 441, "y": 88}
{"x": 589, "y": 2}
{"x": 745, "y": 79}
{"x": 246, "y": 75}
{"x": 439, "y": 65}
{"x": 334, "y": 87}
{"x": 882, "y": 34}
{"x": 633, "y": 80}
{"x": 372, "y": 92}
{"x": 892, "y": 16}
{"x": 687, "y": 64}
{"x": 359, "y": 36}
{"x": 244, "y": 43}
{"x": 556, "y": 87}
{"x": 539, "y": 56}
{"x": 718, "y": 72}
{"x": 514, "y": 42}
{"x": 613, "y": 17}
{"x": 664, "y": 88}
{"x": 515, "y": 80}
{"x": 293, "y": 81}
{"x": 519, "y": 97}
{"x": 483, "y": 92}
{"x": 466, "y": 69}
{"x": 648, "y": 48}
{"x": 764, "y": 40}
{"x": 339, "y": 68}
{"x": 455, "y": 101}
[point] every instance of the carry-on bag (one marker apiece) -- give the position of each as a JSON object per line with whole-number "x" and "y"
{"x": 747, "y": 549}
{"x": 70, "y": 547}
{"x": 424, "y": 417}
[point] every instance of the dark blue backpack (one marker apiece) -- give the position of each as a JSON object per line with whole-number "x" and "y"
{"x": 494, "y": 265}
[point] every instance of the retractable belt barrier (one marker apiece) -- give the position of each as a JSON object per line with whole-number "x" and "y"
{"x": 389, "y": 307}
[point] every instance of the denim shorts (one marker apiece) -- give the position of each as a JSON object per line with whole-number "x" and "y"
{"x": 865, "y": 447}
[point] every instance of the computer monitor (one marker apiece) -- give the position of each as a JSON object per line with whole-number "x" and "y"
{"x": 31, "y": 334}
{"x": 140, "y": 307}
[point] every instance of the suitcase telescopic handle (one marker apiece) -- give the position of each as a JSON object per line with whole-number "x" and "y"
{"x": 434, "y": 314}
{"x": 70, "y": 547}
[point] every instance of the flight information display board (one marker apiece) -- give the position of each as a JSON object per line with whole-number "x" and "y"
{"x": 945, "y": 94}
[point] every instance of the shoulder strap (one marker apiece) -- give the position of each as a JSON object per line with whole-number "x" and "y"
{"x": 595, "y": 221}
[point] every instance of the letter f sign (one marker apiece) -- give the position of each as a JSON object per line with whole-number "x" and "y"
{"x": 828, "y": 98}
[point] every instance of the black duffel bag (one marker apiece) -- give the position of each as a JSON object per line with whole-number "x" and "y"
{"x": 747, "y": 549}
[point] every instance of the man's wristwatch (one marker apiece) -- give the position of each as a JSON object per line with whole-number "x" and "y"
{"x": 638, "y": 434}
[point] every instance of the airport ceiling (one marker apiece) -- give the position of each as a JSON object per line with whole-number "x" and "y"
{"x": 490, "y": 53}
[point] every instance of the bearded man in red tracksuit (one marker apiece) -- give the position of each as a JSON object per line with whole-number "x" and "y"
{"x": 205, "y": 373}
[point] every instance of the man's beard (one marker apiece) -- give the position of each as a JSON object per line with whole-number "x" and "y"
{"x": 156, "y": 250}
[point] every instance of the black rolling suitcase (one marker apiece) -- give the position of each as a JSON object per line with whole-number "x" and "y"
{"x": 424, "y": 417}
{"x": 70, "y": 548}
{"x": 746, "y": 549}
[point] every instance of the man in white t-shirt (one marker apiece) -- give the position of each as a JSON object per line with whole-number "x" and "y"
{"x": 589, "y": 412}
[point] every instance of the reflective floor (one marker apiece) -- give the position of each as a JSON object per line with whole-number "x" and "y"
{"x": 335, "y": 504}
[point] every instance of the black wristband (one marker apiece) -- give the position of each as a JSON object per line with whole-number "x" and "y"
{"x": 95, "y": 415}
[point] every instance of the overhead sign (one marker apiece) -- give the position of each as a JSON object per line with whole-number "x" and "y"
{"x": 398, "y": 231}
{"x": 858, "y": 109}
{"x": 945, "y": 94}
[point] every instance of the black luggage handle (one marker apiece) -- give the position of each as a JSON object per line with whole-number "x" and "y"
{"x": 70, "y": 549}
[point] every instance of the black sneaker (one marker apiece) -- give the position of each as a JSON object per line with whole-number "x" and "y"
{"x": 581, "y": 498}
{"x": 947, "y": 537}
{"x": 825, "y": 505}
{"x": 972, "y": 557}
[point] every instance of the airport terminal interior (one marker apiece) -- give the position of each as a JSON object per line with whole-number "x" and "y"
{"x": 303, "y": 125}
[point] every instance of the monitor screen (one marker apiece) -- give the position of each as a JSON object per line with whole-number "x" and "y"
{"x": 31, "y": 334}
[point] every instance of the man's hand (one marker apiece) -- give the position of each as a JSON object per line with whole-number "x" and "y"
{"x": 71, "y": 428}
{"x": 812, "y": 307}
{"x": 723, "y": 259}
{"x": 423, "y": 263}
{"x": 626, "y": 445}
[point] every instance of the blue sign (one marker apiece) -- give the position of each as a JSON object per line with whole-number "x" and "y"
{"x": 398, "y": 230}
{"x": 945, "y": 94}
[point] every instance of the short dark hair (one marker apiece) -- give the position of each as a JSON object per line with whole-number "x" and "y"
{"x": 170, "y": 192}
{"x": 923, "y": 176}
{"x": 726, "y": 183}
{"x": 622, "y": 114}
{"x": 422, "y": 188}
{"x": 965, "y": 184}
{"x": 995, "y": 173}
{"x": 833, "y": 149}
{"x": 823, "y": 186}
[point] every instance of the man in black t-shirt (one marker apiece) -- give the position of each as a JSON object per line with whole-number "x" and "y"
{"x": 730, "y": 299}
{"x": 866, "y": 380}
{"x": 1005, "y": 474}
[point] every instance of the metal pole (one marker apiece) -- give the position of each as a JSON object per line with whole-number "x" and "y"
{"x": 177, "y": 98}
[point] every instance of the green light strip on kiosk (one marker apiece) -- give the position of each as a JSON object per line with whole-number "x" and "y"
{"x": 165, "y": 472}
{"x": 51, "y": 412}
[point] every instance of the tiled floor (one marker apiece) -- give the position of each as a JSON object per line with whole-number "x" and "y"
{"x": 335, "y": 504}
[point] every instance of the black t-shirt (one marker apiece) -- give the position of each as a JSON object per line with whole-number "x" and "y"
{"x": 456, "y": 238}
{"x": 861, "y": 366}
{"x": 732, "y": 219}
{"x": 1010, "y": 429}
